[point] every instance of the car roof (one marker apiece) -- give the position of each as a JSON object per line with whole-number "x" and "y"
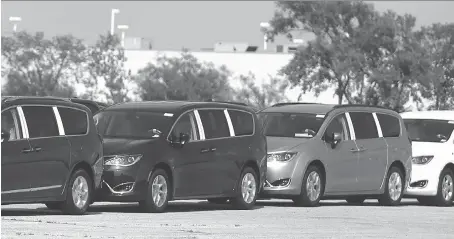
{"x": 173, "y": 106}
{"x": 299, "y": 107}
{"x": 43, "y": 100}
{"x": 434, "y": 114}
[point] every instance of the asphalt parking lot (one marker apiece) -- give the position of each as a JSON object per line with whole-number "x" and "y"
{"x": 199, "y": 219}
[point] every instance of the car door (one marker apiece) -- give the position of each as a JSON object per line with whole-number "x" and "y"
{"x": 372, "y": 151}
{"x": 219, "y": 167}
{"x": 190, "y": 160}
{"x": 16, "y": 177}
{"x": 50, "y": 150}
{"x": 341, "y": 161}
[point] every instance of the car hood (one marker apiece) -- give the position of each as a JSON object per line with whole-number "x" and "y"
{"x": 114, "y": 146}
{"x": 277, "y": 144}
{"x": 428, "y": 148}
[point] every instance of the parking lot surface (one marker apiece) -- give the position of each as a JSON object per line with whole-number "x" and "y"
{"x": 199, "y": 219}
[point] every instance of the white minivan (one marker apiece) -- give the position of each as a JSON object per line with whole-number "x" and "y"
{"x": 432, "y": 136}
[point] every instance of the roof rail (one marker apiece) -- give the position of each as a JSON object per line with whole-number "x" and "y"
{"x": 11, "y": 98}
{"x": 359, "y": 105}
{"x": 228, "y": 102}
{"x": 293, "y": 103}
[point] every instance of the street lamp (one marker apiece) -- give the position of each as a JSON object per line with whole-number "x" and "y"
{"x": 15, "y": 20}
{"x": 265, "y": 27}
{"x": 112, "y": 20}
{"x": 123, "y": 28}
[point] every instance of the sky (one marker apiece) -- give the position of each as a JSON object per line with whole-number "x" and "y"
{"x": 172, "y": 25}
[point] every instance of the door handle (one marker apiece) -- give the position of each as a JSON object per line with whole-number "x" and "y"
{"x": 26, "y": 151}
{"x": 357, "y": 150}
{"x": 212, "y": 149}
{"x": 204, "y": 151}
{"x": 37, "y": 149}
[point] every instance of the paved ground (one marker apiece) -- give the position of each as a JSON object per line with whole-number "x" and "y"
{"x": 197, "y": 219}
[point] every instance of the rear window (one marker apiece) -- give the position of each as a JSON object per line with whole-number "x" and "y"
{"x": 75, "y": 122}
{"x": 243, "y": 122}
{"x": 426, "y": 130}
{"x": 291, "y": 125}
{"x": 390, "y": 125}
{"x": 131, "y": 124}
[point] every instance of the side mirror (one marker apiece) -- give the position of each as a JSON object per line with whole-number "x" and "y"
{"x": 5, "y": 135}
{"x": 184, "y": 138}
{"x": 335, "y": 139}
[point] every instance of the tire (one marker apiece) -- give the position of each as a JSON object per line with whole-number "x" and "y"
{"x": 441, "y": 199}
{"x": 80, "y": 182}
{"x": 54, "y": 205}
{"x": 388, "y": 198}
{"x": 355, "y": 199}
{"x": 247, "y": 201}
{"x": 218, "y": 200}
{"x": 158, "y": 177}
{"x": 426, "y": 201}
{"x": 304, "y": 200}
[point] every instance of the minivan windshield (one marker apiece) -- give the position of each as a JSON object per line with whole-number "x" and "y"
{"x": 426, "y": 130}
{"x": 130, "y": 124}
{"x": 291, "y": 125}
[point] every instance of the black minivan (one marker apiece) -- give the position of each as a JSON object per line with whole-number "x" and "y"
{"x": 171, "y": 150}
{"x": 51, "y": 153}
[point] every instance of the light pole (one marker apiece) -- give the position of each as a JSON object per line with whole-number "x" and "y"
{"x": 265, "y": 27}
{"x": 123, "y": 32}
{"x": 15, "y": 20}
{"x": 112, "y": 20}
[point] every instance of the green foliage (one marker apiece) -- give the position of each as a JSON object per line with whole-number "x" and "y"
{"x": 106, "y": 61}
{"x": 183, "y": 78}
{"x": 261, "y": 96}
{"x": 37, "y": 66}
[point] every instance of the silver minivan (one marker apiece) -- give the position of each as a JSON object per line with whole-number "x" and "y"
{"x": 320, "y": 151}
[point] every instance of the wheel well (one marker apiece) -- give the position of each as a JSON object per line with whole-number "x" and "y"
{"x": 168, "y": 170}
{"x": 399, "y": 165}
{"x": 450, "y": 166}
{"x": 254, "y": 166}
{"x": 317, "y": 163}
{"x": 85, "y": 166}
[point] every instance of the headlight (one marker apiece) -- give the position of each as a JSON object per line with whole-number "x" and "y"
{"x": 122, "y": 160}
{"x": 281, "y": 157}
{"x": 422, "y": 159}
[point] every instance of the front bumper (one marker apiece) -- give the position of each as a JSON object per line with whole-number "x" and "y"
{"x": 423, "y": 173}
{"x": 282, "y": 179}
{"x": 123, "y": 184}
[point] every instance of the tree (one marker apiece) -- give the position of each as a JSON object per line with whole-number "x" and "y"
{"x": 261, "y": 96}
{"x": 106, "y": 62}
{"x": 438, "y": 39}
{"x": 183, "y": 78}
{"x": 36, "y": 66}
{"x": 334, "y": 57}
{"x": 396, "y": 63}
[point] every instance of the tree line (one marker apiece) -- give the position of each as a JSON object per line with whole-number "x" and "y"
{"x": 369, "y": 58}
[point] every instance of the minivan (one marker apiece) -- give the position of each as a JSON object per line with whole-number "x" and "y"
{"x": 321, "y": 151}
{"x": 158, "y": 151}
{"x": 51, "y": 153}
{"x": 432, "y": 133}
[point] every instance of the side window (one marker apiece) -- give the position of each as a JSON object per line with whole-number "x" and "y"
{"x": 243, "y": 122}
{"x": 41, "y": 121}
{"x": 11, "y": 124}
{"x": 74, "y": 121}
{"x": 338, "y": 125}
{"x": 390, "y": 125}
{"x": 364, "y": 125}
{"x": 214, "y": 123}
{"x": 186, "y": 124}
